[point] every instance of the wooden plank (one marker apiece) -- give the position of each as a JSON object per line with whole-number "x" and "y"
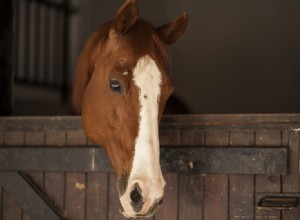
{"x": 1, "y": 201}
{"x": 14, "y": 138}
{"x": 25, "y": 216}
{"x": 97, "y": 196}
{"x": 55, "y": 188}
{"x": 75, "y": 196}
{"x": 1, "y": 138}
{"x": 11, "y": 210}
{"x": 241, "y": 197}
{"x": 190, "y": 197}
{"x": 267, "y": 183}
{"x": 231, "y": 160}
{"x": 268, "y": 138}
{"x": 227, "y": 122}
{"x": 54, "y": 159}
{"x": 35, "y": 138}
{"x": 56, "y": 138}
{"x": 169, "y": 137}
{"x": 34, "y": 203}
{"x": 232, "y": 120}
{"x": 113, "y": 200}
{"x": 169, "y": 207}
{"x": 215, "y": 197}
{"x": 241, "y": 187}
{"x": 76, "y": 138}
{"x": 41, "y": 123}
{"x": 37, "y": 178}
{"x": 291, "y": 181}
{"x": 216, "y": 138}
{"x": 191, "y": 137}
{"x": 242, "y": 137}
{"x": 237, "y": 160}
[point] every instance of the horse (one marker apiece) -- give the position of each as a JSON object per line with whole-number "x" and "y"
{"x": 120, "y": 88}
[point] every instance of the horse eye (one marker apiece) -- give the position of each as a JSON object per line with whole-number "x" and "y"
{"x": 115, "y": 86}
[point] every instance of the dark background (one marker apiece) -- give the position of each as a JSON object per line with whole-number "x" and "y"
{"x": 237, "y": 56}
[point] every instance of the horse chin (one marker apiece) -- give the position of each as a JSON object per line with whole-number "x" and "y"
{"x": 130, "y": 215}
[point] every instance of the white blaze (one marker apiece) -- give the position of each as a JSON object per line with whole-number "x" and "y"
{"x": 146, "y": 169}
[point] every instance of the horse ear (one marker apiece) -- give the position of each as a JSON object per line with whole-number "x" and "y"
{"x": 172, "y": 31}
{"x": 126, "y": 16}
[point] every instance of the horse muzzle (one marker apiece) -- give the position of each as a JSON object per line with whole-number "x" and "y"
{"x": 141, "y": 201}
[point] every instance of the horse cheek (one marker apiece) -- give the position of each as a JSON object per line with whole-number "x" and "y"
{"x": 91, "y": 116}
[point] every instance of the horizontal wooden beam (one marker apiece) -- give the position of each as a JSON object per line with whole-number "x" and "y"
{"x": 227, "y": 121}
{"x": 74, "y": 159}
{"x": 226, "y": 160}
{"x": 229, "y": 160}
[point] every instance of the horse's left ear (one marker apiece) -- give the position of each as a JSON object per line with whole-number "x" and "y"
{"x": 172, "y": 31}
{"x": 126, "y": 16}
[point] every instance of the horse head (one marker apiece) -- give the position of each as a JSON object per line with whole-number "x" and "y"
{"x": 120, "y": 88}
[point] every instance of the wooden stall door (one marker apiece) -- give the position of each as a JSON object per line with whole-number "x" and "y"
{"x": 193, "y": 195}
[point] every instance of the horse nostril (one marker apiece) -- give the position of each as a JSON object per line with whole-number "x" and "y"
{"x": 160, "y": 201}
{"x": 136, "y": 194}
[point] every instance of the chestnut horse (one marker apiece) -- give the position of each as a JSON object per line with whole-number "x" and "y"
{"x": 120, "y": 88}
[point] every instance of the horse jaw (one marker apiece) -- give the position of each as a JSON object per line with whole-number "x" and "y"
{"x": 146, "y": 172}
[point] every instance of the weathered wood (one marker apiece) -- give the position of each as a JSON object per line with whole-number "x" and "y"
{"x": 55, "y": 188}
{"x": 1, "y": 201}
{"x": 34, "y": 203}
{"x": 6, "y": 56}
{"x": 241, "y": 187}
{"x": 243, "y": 137}
{"x": 267, "y": 183}
{"x": 113, "y": 200}
{"x": 97, "y": 195}
{"x": 25, "y": 216}
{"x": 291, "y": 181}
{"x": 54, "y": 159}
{"x": 237, "y": 160}
{"x": 190, "y": 195}
{"x": 39, "y": 123}
{"x": 11, "y": 210}
{"x": 230, "y": 122}
{"x": 216, "y": 197}
{"x": 169, "y": 207}
{"x": 216, "y": 138}
{"x": 241, "y": 193}
{"x": 75, "y": 196}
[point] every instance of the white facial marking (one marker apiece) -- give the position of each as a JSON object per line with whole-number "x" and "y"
{"x": 146, "y": 170}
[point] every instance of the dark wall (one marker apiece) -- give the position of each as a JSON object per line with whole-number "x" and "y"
{"x": 240, "y": 56}
{"x": 6, "y": 40}
{"x": 237, "y": 56}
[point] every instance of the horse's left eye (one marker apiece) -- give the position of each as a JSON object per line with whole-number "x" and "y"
{"x": 115, "y": 86}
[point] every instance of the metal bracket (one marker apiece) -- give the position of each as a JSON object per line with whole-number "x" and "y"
{"x": 279, "y": 202}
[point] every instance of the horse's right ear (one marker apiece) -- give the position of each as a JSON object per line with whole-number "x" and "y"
{"x": 172, "y": 31}
{"x": 125, "y": 17}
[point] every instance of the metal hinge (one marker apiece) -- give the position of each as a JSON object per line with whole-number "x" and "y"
{"x": 279, "y": 202}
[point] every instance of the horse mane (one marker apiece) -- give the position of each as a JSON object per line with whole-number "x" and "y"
{"x": 142, "y": 35}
